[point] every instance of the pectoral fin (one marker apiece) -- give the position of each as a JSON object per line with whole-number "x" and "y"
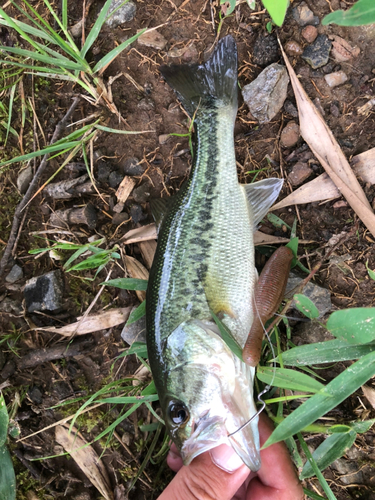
{"x": 159, "y": 207}
{"x": 261, "y": 196}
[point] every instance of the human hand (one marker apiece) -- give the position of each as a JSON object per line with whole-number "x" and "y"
{"x": 220, "y": 474}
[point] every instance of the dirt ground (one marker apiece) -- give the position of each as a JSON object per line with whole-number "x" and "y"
{"x": 33, "y": 388}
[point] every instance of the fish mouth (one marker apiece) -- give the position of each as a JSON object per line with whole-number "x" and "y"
{"x": 209, "y": 433}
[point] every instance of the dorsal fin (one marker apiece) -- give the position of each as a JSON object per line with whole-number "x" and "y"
{"x": 261, "y": 196}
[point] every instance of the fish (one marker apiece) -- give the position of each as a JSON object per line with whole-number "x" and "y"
{"x": 204, "y": 267}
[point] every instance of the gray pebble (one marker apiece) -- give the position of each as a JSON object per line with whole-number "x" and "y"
{"x": 303, "y": 15}
{"x": 141, "y": 194}
{"x": 317, "y": 54}
{"x": 15, "y": 274}
{"x": 137, "y": 214}
{"x": 45, "y": 293}
{"x": 317, "y": 294}
{"x": 24, "y": 178}
{"x": 115, "y": 179}
{"x": 290, "y": 109}
{"x": 123, "y": 14}
{"x": 265, "y": 95}
{"x": 131, "y": 166}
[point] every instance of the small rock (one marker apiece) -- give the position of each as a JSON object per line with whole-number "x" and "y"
{"x": 266, "y": 50}
{"x": 152, "y": 39}
{"x": 290, "y": 135}
{"x": 45, "y": 293}
{"x": 293, "y": 48}
{"x": 342, "y": 51}
{"x": 15, "y": 274}
{"x": 340, "y": 204}
{"x": 137, "y": 214}
{"x": 317, "y": 294}
{"x": 8, "y": 370}
{"x": 10, "y": 306}
{"x": 334, "y": 110}
{"x": 136, "y": 332}
{"x": 336, "y": 79}
{"x": 141, "y": 194}
{"x": 328, "y": 68}
{"x": 300, "y": 172}
{"x": 118, "y": 219}
{"x": 24, "y": 178}
{"x": 114, "y": 179}
{"x": 146, "y": 104}
{"x": 132, "y": 167}
{"x": 164, "y": 138}
{"x": 350, "y": 470}
{"x": 317, "y": 54}
{"x": 123, "y": 14}
{"x": 290, "y": 109}
{"x": 103, "y": 170}
{"x": 319, "y": 106}
{"x": 188, "y": 54}
{"x": 303, "y": 15}
{"x": 309, "y": 33}
{"x": 35, "y": 395}
{"x": 265, "y": 95}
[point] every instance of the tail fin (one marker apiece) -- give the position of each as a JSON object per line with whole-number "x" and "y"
{"x": 214, "y": 80}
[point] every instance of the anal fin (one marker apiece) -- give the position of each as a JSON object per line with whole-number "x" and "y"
{"x": 261, "y": 196}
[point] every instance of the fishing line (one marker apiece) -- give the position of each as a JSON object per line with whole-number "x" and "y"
{"x": 268, "y": 387}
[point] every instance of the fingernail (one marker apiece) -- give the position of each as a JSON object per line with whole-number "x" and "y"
{"x": 226, "y": 458}
{"x": 173, "y": 455}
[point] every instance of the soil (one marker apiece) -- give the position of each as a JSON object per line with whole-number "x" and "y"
{"x": 33, "y": 391}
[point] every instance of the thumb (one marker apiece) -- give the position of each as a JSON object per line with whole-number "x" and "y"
{"x": 214, "y": 475}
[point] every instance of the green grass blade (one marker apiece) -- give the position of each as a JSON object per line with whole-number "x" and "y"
{"x": 326, "y": 399}
{"x": 319, "y": 475}
{"x": 127, "y": 284}
{"x": 277, "y": 10}
{"x": 10, "y": 109}
{"x": 46, "y": 59}
{"x": 26, "y": 28}
{"x": 7, "y": 476}
{"x": 115, "y": 52}
{"x": 137, "y": 313}
{"x": 41, "y": 152}
{"x": 13, "y": 24}
{"x": 356, "y": 325}
{"x": 117, "y": 131}
{"x": 124, "y": 400}
{"x": 65, "y": 13}
{"x": 361, "y": 13}
{"x": 332, "y": 448}
{"x": 331, "y": 351}
{"x": 138, "y": 348}
{"x": 288, "y": 379}
{"x": 64, "y": 29}
{"x": 313, "y": 495}
{"x": 95, "y": 30}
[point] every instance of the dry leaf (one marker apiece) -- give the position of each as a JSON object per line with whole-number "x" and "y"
{"x": 319, "y": 137}
{"x": 143, "y": 233}
{"x": 369, "y": 394}
{"x": 364, "y": 165}
{"x": 136, "y": 270}
{"x": 148, "y": 249}
{"x": 95, "y": 323}
{"x": 86, "y": 458}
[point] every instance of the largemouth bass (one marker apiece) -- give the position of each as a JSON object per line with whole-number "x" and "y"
{"x": 205, "y": 262}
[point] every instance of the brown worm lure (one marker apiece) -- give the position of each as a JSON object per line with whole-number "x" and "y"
{"x": 268, "y": 295}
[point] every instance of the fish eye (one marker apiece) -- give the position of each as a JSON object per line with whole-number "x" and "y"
{"x": 178, "y": 413}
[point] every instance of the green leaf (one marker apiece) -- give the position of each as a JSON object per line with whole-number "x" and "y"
{"x": 361, "y": 13}
{"x": 127, "y": 284}
{"x": 125, "y": 132}
{"x": 276, "y": 221}
{"x": 7, "y": 476}
{"x": 137, "y": 313}
{"x": 95, "y": 30}
{"x": 356, "y": 325}
{"x": 33, "y": 55}
{"x": 4, "y": 420}
{"x": 138, "y": 348}
{"x": 319, "y": 475}
{"x": 330, "y": 450}
{"x": 288, "y": 379}
{"x": 293, "y": 245}
{"x": 277, "y": 10}
{"x": 232, "y": 5}
{"x": 115, "y": 52}
{"x": 313, "y": 495}
{"x": 371, "y": 273}
{"x": 227, "y": 337}
{"x": 362, "y": 427}
{"x": 331, "y": 351}
{"x": 124, "y": 400}
{"x": 326, "y": 399}
{"x": 306, "y": 306}
{"x": 149, "y": 427}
